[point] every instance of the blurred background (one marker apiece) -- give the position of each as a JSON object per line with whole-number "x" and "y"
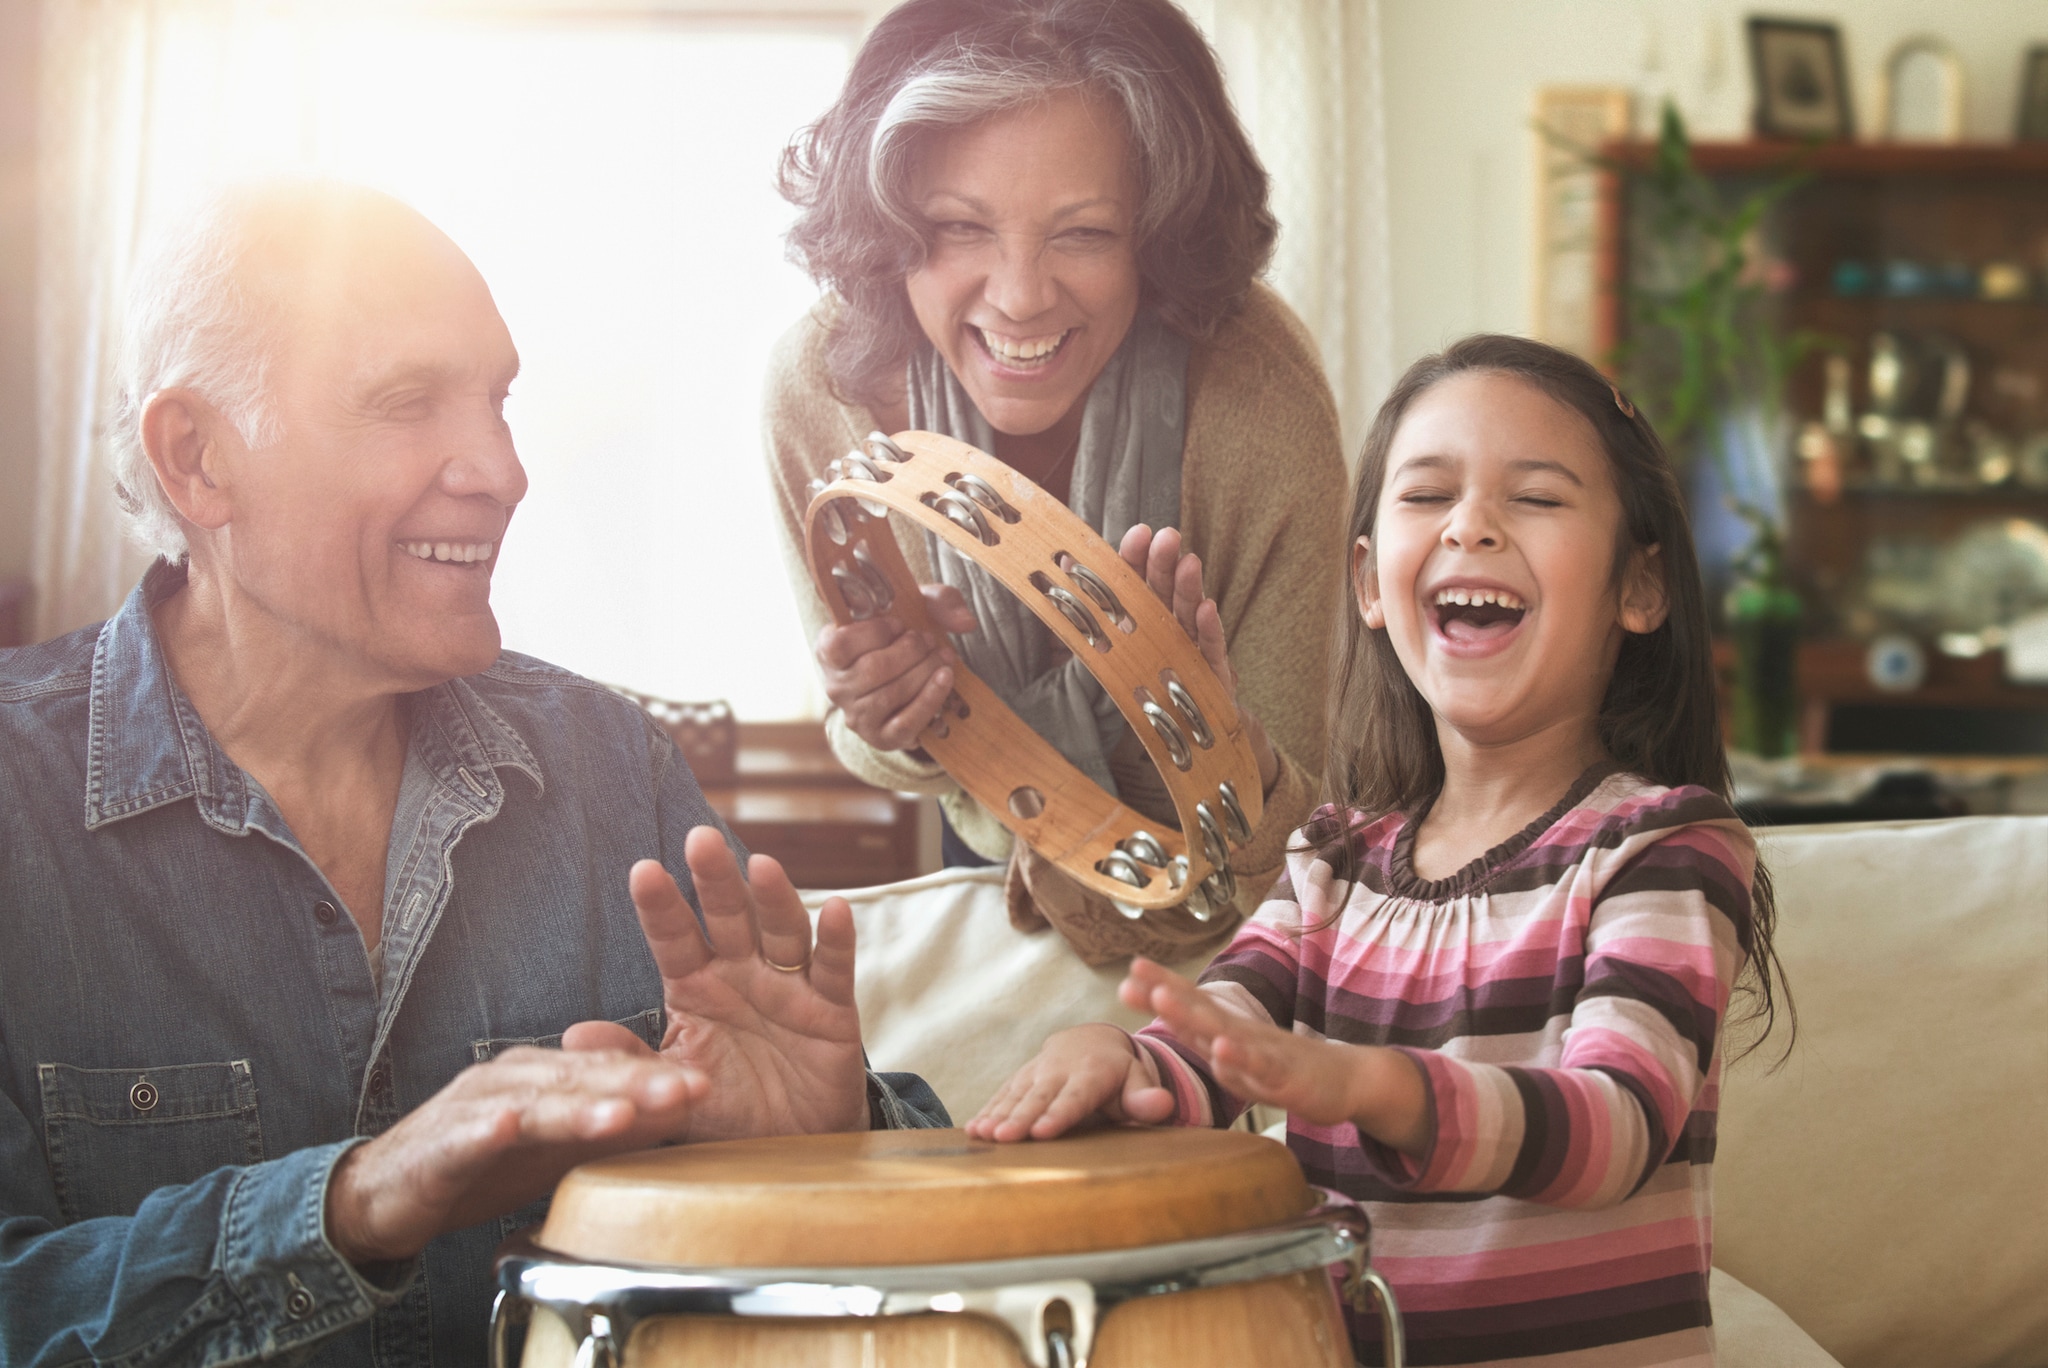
{"x": 1864, "y": 455}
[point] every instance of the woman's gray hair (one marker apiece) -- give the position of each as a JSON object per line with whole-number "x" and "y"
{"x": 1203, "y": 231}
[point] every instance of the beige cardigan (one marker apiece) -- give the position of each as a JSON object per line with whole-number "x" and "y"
{"x": 1262, "y": 502}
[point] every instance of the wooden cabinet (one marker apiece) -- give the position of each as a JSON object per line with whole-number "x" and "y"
{"x": 791, "y": 798}
{"x": 783, "y": 793}
{"x": 1936, "y": 256}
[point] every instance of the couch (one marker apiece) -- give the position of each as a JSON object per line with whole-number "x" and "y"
{"x": 1881, "y": 1196}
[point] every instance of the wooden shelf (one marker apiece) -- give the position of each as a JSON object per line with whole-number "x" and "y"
{"x": 1849, "y": 159}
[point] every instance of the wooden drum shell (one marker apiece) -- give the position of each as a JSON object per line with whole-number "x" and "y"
{"x": 933, "y": 1206}
{"x": 1286, "y": 1322}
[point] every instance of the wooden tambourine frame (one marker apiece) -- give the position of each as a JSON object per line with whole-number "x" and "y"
{"x": 1104, "y": 613}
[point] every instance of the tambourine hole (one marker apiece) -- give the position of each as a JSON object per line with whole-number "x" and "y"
{"x": 963, "y": 512}
{"x": 1026, "y": 802}
{"x": 1097, "y": 590}
{"x": 834, "y": 519}
{"x": 884, "y": 448}
{"x": 1072, "y": 609}
{"x": 856, "y": 466}
{"x": 983, "y": 493}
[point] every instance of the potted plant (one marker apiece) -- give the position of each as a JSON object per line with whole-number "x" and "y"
{"x": 1706, "y": 359}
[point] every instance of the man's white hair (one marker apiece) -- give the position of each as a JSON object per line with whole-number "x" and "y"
{"x": 198, "y": 318}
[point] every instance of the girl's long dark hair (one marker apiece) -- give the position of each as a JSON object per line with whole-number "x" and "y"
{"x": 1660, "y": 717}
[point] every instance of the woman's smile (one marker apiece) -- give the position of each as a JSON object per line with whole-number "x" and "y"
{"x": 1021, "y": 357}
{"x": 1031, "y": 278}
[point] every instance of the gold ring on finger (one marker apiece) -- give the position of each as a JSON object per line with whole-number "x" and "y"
{"x": 796, "y": 968}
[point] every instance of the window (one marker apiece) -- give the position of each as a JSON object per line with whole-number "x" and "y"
{"x": 613, "y": 181}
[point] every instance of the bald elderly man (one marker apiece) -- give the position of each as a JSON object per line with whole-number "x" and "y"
{"x": 300, "y": 874}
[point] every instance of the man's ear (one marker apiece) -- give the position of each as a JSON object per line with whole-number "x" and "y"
{"x": 1644, "y": 602}
{"x": 1365, "y": 583}
{"x": 181, "y": 436}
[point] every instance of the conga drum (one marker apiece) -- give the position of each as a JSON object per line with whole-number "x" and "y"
{"x": 927, "y": 1249}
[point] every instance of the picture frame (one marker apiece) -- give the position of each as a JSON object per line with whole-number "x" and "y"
{"x": 2032, "y": 124}
{"x": 1800, "y": 79}
{"x": 1921, "y": 98}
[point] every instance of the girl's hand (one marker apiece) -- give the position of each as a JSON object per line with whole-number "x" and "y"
{"x": 1080, "y": 1072}
{"x": 1323, "y": 1082}
{"x": 889, "y": 682}
{"x": 1175, "y": 575}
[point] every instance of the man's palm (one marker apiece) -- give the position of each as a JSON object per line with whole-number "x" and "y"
{"x": 780, "y": 1046}
{"x": 778, "y": 1054}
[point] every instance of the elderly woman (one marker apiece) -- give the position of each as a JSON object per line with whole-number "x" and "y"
{"x": 1040, "y": 227}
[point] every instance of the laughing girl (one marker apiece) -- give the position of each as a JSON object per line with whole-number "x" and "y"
{"x": 1490, "y": 988}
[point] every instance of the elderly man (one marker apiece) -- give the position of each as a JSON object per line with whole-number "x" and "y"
{"x": 297, "y": 868}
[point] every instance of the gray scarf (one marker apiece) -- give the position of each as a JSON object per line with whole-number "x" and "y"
{"x": 1127, "y": 471}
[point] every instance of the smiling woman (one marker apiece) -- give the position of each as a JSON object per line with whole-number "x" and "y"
{"x": 1040, "y": 228}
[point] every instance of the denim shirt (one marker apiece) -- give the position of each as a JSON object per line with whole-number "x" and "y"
{"x": 191, "y": 1032}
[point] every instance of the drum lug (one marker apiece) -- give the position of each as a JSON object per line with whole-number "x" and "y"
{"x": 1367, "y": 1291}
{"x": 598, "y": 1349}
{"x": 1054, "y": 1322}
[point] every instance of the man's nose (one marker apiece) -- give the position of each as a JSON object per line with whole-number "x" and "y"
{"x": 1018, "y": 284}
{"x": 485, "y": 462}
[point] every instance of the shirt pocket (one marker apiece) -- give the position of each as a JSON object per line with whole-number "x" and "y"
{"x": 114, "y": 1136}
{"x": 648, "y": 1025}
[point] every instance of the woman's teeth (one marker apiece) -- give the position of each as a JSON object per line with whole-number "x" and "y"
{"x": 459, "y": 552}
{"x": 1475, "y": 598}
{"x": 1025, "y": 353}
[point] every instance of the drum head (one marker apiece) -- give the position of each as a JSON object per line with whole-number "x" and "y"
{"x": 920, "y": 1196}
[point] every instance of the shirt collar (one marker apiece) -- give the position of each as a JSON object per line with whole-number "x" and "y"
{"x": 147, "y": 746}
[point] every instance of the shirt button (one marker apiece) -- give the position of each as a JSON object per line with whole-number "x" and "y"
{"x": 142, "y": 1096}
{"x": 325, "y": 912}
{"x": 299, "y": 1304}
{"x": 379, "y": 1079}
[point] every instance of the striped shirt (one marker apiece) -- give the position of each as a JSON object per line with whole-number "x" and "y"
{"x": 1563, "y": 995}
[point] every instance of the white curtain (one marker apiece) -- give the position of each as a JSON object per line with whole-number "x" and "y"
{"x": 1305, "y": 75}
{"x": 143, "y": 99}
{"x": 93, "y": 139}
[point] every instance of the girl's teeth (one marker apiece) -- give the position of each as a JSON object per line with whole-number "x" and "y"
{"x": 1467, "y": 598}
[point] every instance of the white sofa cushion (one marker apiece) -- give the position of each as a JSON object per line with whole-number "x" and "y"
{"x": 950, "y": 990}
{"x": 1889, "y": 1185}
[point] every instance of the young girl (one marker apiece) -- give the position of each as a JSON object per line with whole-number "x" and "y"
{"x": 1489, "y": 990}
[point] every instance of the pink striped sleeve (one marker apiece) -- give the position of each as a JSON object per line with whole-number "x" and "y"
{"x": 1661, "y": 954}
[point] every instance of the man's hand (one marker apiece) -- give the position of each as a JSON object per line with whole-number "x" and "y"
{"x": 1174, "y": 575}
{"x": 1080, "y": 1072}
{"x": 1323, "y": 1082}
{"x": 889, "y": 682}
{"x": 497, "y": 1137}
{"x": 779, "y": 1045}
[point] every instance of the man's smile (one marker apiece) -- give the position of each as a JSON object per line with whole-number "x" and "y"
{"x": 460, "y": 553}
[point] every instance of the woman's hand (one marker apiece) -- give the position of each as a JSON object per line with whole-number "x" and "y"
{"x": 888, "y": 682}
{"x": 1175, "y": 575}
{"x": 1323, "y": 1082}
{"x": 1080, "y": 1072}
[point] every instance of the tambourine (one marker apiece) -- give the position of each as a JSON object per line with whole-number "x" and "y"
{"x": 1104, "y": 613}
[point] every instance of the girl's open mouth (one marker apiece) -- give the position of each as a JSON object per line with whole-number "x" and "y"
{"x": 1477, "y": 618}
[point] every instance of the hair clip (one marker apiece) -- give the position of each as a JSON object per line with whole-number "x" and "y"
{"x": 1621, "y": 402}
